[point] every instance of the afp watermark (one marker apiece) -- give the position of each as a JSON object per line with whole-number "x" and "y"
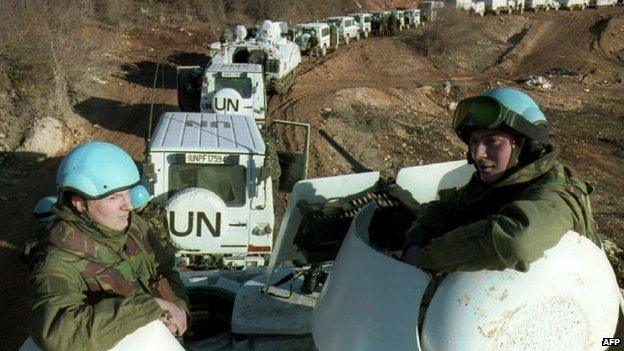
{"x": 611, "y": 341}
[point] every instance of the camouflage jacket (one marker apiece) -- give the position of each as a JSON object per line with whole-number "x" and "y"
{"x": 156, "y": 218}
{"x": 87, "y": 295}
{"x": 505, "y": 225}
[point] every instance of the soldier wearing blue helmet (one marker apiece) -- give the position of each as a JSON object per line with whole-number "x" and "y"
{"x": 45, "y": 217}
{"x": 100, "y": 276}
{"x": 153, "y": 213}
{"x": 520, "y": 201}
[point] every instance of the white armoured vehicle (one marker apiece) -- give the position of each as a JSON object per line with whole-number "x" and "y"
{"x": 400, "y": 16}
{"x": 597, "y": 3}
{"x": 545, "y": 5}
{"x": 574, "y": 4}
{"x": 323, "y": 33}
{"x": 412, "y": 17}
{"x": 363, "y": 21}
{"x": 207, "y": 170}
{"x": 234, "y": 88}
{"x": 278, "y": 56}
{"x": 213, "y": 174}
{"x": 509, "y": 6}
{"x": 472, "y": 7}
{"x": 347, "y": 29}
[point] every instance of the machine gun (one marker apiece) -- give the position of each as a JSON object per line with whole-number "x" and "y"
{"x": 324, "y": 225}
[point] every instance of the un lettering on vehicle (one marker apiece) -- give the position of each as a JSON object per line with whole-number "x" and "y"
{"x": 194, "y": 220}
{"x": 226, "y": 105}
{"x": 204, "y": 158}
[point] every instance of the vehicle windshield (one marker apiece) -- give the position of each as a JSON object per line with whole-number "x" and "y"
{"x": 367, "y": 19}
{"x": 357, "y": 18}
{"x": 242, "y": 85}
{"x": 334, "y": 22}
{"x": 227, "y": 181}
{"x": 304, "y": 30}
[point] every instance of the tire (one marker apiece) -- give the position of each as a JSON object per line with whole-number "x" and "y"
{"x": 366, "y": 34}
{"x": 357, "y": 36}
{"x": 346, "y": 40}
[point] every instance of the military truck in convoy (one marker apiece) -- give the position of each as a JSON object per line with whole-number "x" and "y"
{"x": 278, "y": 56}
{"x": 213, "y": 174}
{"x": 347, "y": 28}
{"x": 508, "y": 6}
{"x": 545, "y": 5}
{"x": 574, "y": 4}
{"x": 327, "y": 37}
{"x": 236, "y": 88}
{"x": 363, "y": 21}
{"x": 412, "y": 17}
{"x": 472, "y": 7}
{"x": 400, "y": 18}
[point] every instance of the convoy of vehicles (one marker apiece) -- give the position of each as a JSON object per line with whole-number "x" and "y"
{"x": 211, "y": 165}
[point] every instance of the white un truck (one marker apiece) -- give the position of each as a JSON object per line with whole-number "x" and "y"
{"x": 236, "y": 88}
{"x": 208, "y": 171}
{"x": 213, "y": 173}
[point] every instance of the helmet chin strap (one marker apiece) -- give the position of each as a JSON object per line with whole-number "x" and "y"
{"x": 515, "y": 154}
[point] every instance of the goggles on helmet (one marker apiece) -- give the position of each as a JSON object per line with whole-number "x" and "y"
{"x": 487, "y": 112}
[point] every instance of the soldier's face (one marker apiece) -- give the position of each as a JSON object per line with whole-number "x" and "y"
{"x": 112, "y": 211}
{"x": 491, "y": 149}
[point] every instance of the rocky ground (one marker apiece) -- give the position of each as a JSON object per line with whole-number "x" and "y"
{"x": 386, "y": 100}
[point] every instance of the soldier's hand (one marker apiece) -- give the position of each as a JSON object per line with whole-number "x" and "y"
{"x": 179, "y": 319}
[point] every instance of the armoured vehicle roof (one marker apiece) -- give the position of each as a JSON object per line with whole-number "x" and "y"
{"x": 339, "y": 17}
{"x": 312, "y": 25}
{"x": 235, "y": 67}
{"x": 207, "y": 132}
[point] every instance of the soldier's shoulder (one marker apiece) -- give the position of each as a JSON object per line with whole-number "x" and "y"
{"x": 53, "y": 259}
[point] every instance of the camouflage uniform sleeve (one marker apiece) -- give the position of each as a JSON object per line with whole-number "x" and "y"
{"x": 165, "y": 263}
{"x": 513, "y": 238}
{"x": 61, "y": 316}
{"x": 433, "y": 220}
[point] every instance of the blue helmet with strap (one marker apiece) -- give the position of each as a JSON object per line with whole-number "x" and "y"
{"x": 139, "y": 196}
{"x": 501, "y": 107}
{"x": 95, "y": 170}
{"x": 43, "y": 209}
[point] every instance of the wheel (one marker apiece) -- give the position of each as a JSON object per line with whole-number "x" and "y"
{"x": 324, "y": 51}
{"x": 357, "y": 36}
{"x": 366, "y": 34}
{"x": 346, "y": 39}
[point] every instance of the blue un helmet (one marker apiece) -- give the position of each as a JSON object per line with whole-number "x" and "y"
{"x": 501, "y": 107}
{"x": 95, "y": 170}
{"x": 139, "y": 196}
{"x": 43, "y": 209}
